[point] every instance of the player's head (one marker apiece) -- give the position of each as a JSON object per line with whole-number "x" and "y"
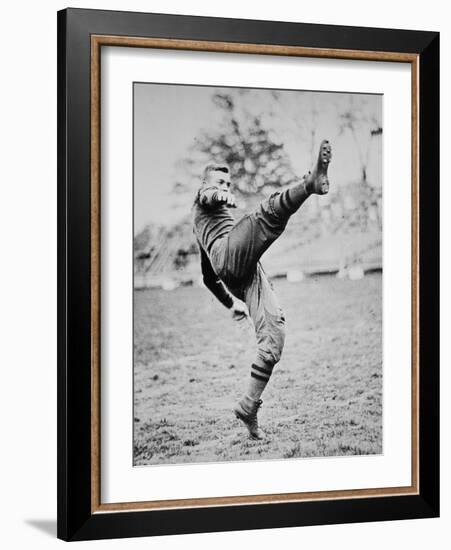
{"x": 217, "y": 175}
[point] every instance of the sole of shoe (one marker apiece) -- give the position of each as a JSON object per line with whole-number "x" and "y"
{"x": 319, "y": 175}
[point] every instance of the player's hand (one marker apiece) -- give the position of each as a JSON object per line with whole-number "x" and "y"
{"x": 239, "y": 310}
{"x": 226, "y": 197}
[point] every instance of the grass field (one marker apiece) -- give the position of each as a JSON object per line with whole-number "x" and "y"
{"x": 192, "y": 363}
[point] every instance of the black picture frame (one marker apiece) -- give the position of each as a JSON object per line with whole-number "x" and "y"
{"x": 76, "y": 518}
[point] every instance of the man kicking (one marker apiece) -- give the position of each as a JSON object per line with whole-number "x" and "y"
{"x": 230, "y": 254}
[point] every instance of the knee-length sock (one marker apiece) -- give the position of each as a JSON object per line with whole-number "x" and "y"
{"x": 289, "y": 201}
{"x": 257, "y": 383}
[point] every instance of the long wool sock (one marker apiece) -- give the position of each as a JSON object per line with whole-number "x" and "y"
{"x": 290, "y": 200}
{"x": 258, "y": 380}
{"x": 299, "y": 192}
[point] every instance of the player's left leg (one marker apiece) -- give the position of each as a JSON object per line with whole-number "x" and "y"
{"x": 269, "y": 323}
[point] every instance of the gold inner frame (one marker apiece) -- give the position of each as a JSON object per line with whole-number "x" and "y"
{"x": 97, "y": 41}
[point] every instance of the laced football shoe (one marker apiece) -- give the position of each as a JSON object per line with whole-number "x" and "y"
{"x": 246, "y": 411}
{"x": 317, "y": 181}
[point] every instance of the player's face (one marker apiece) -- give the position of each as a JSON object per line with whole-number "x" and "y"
{"x": 220, "y": 180}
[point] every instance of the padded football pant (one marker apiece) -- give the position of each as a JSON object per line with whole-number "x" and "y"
{"x": 236, "y": 260}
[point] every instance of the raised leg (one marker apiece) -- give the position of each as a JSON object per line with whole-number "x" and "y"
{"x": 237, "y": 255}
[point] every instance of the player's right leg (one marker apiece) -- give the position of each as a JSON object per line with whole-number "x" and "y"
{"x": 269, "y": 323}
{"x": 255, "y": 232}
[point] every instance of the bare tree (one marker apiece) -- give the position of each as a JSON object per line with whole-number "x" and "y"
{"x": 246, "y": 142}
{"x": 363, "y": 125}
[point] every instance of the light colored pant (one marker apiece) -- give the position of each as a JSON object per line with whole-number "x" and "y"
{"x": 268, "y": 319}
{"x": 236, "y": 260}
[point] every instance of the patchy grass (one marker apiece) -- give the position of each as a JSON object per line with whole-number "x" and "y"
{"x": 192, "y": 362}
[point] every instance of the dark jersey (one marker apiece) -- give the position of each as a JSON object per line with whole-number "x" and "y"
{"x": 213, "y": 282}
{"x": 211, "y": 221}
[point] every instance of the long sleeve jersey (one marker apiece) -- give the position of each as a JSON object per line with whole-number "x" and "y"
{"x": 211, "y": 221}
{"x": 213, "y": 282}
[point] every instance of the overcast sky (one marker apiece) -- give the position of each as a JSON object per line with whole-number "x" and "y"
{"x": 167, "y": 119}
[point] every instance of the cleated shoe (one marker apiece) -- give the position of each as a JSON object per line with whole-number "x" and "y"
{"x": 246, "y": 411}
{"x": 317, "y": 181}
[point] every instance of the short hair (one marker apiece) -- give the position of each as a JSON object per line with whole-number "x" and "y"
{"x": 215, "y": 168}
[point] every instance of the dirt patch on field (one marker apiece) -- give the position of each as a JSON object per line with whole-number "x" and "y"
{"x": 192, "y": 362}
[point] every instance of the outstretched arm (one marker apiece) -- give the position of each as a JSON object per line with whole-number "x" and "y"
{"x": 210, "y": 196}
{"x": 213, "y": 282}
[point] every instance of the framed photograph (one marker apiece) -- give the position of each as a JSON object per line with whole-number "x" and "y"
{"x": 248, "y": 274}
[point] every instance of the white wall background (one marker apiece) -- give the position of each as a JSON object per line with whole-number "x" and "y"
{"x": 28, "y": 277}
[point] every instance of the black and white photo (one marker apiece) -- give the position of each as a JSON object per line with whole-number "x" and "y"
{"x": 257, "y": 274}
